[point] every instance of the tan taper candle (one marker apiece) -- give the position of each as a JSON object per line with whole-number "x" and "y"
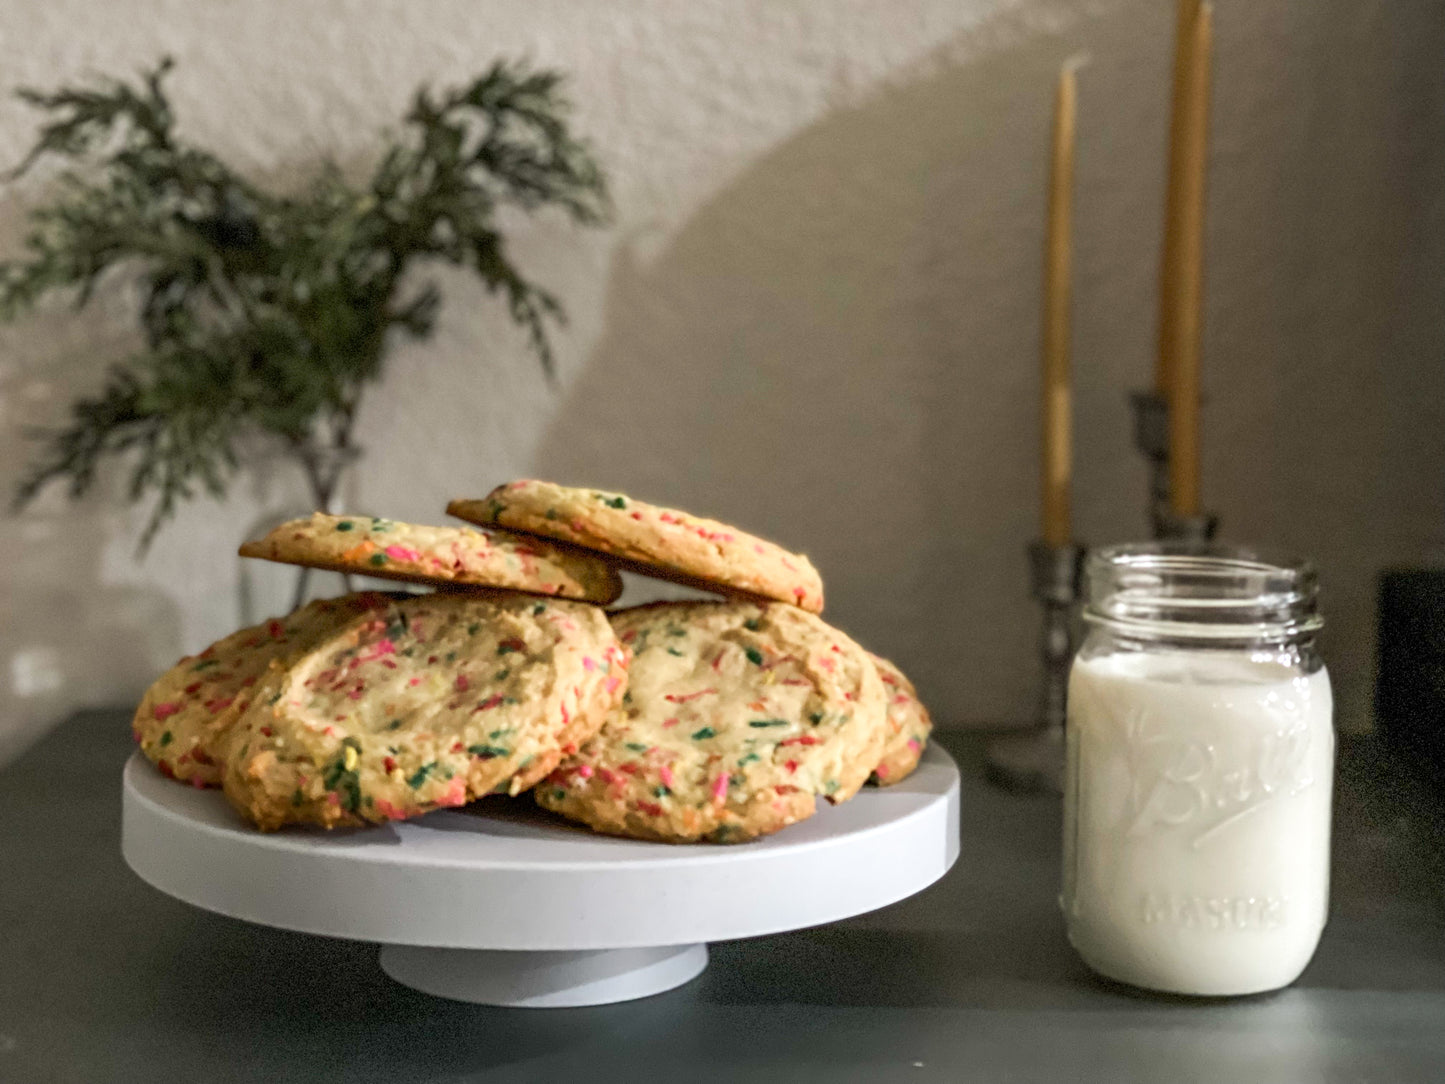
{"x": 1183, "y": 389}
{"x": 1057, "y": 450}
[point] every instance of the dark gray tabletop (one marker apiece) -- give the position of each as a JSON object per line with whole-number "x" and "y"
{"x": 102, "y": 978}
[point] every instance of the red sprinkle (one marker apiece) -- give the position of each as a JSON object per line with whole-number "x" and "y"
{"x": 166, "y": 710}
{"x": 673, "y": 698}
{"x": 462, "y": 683}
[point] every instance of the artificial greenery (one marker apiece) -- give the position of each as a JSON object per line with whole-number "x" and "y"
{"x": 265, "y": 312}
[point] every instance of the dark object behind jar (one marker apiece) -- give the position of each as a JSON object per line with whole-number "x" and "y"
{"x": 1410, "y": 682}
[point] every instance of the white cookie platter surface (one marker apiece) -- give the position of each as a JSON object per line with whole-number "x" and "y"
{"x": 545, "y": 901}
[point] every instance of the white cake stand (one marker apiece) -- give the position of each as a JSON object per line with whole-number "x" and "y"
{"x": 502, "y": 904}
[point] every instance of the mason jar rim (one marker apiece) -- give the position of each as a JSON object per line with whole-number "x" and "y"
{"x": 1207, "y": 592}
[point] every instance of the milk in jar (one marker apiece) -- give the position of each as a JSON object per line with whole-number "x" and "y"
{"x": 1200, "y": 752}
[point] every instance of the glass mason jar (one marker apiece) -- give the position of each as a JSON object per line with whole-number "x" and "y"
{"x": 1200, "y": 760}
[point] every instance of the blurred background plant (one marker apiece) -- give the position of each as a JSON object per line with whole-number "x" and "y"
{"x": 270, "y": 313}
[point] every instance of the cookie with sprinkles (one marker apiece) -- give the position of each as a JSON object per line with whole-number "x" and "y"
{"x": 908, "y": 725}
{"x": 437, "y": 701}
{"x": 184, "y": 716}
{"x": 656, "y": 541}
{"x": 738, "y": 717}
{"x": 483, "y": 557}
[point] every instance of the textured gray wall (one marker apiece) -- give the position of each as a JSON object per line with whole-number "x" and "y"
{"x": 817, "y": 313}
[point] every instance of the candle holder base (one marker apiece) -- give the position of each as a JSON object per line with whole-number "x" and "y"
{"x": 1034, "y": 760}
{"x": 1031, "y": 762}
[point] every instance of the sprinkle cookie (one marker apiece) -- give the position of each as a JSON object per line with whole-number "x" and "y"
{"x": 434, "y": 702}
{"x": 184, "y": 716}
{"x": 438, "y": 555}
{"x": 908, "y": 725}
{"x": 738, "y": 716}
{"x": 656, "y": 541}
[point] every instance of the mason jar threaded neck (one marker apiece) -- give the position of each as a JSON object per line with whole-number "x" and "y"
{"x": 1201, "y": 593}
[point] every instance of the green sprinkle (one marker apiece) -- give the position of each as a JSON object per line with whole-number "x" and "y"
{"x": 674, "y": 651}
{"x": 205, "y": 664}
{"x": 627, "y": 697}
{"x": 538, "y": 609}
{"x": 500, "y": 733}
{"x": 395, "y": 724}
{"x": 507, "y": 648}
{"x": 488, "y": 751}
{"x": 816, "y": 718}
{"x": 296, "y": 798}
{"x": 755, "y": 656}
{"x": 273, "y": 699}
{"x": 559, "y": 794}
{"x": 660, "y": 791}
{"x": 830, "y": 786}
{"x": 451, "y": 656}
{"x": 752, "y": 624}
{"x": 705, "y": 732}
{"x": 768, "y": 722}
{"x": 378, "y": 559}
{"x": 165, "y": 739}
{"x": 721, "y": 833}
{"x": 637, "y": 746}
{"x": 611, "y": 502}
{"x": 501, "y": 675}
{"x": 494, "y": 509}
{"x": 346, "y": 784}
{"x": 345, "y": 525}
{"x": 749, "y": 759}
{"x": 420, "y": 775}
{"x": 473, "y": 628}
{"x": 380, "y": 524}
{"x": 677, "y": 632}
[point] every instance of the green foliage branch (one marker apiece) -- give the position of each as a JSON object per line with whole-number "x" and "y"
{"x": 268, "y": 312}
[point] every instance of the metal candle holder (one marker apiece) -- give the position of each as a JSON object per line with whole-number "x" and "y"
{"x": 1035, "y": 760}
{"x": 1151, "y": 437}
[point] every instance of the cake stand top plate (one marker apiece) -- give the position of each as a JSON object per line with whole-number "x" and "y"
{"x": 502, "y": 874}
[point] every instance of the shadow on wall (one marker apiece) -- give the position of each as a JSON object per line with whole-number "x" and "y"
{"x": 838, "y": 351}
{"x": 70, "y": 636}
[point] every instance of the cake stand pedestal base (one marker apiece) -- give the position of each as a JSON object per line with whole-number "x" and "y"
{"x": 543, "y": 980}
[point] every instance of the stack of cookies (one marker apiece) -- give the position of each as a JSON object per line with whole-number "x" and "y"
{"x": 674, "y": 721}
